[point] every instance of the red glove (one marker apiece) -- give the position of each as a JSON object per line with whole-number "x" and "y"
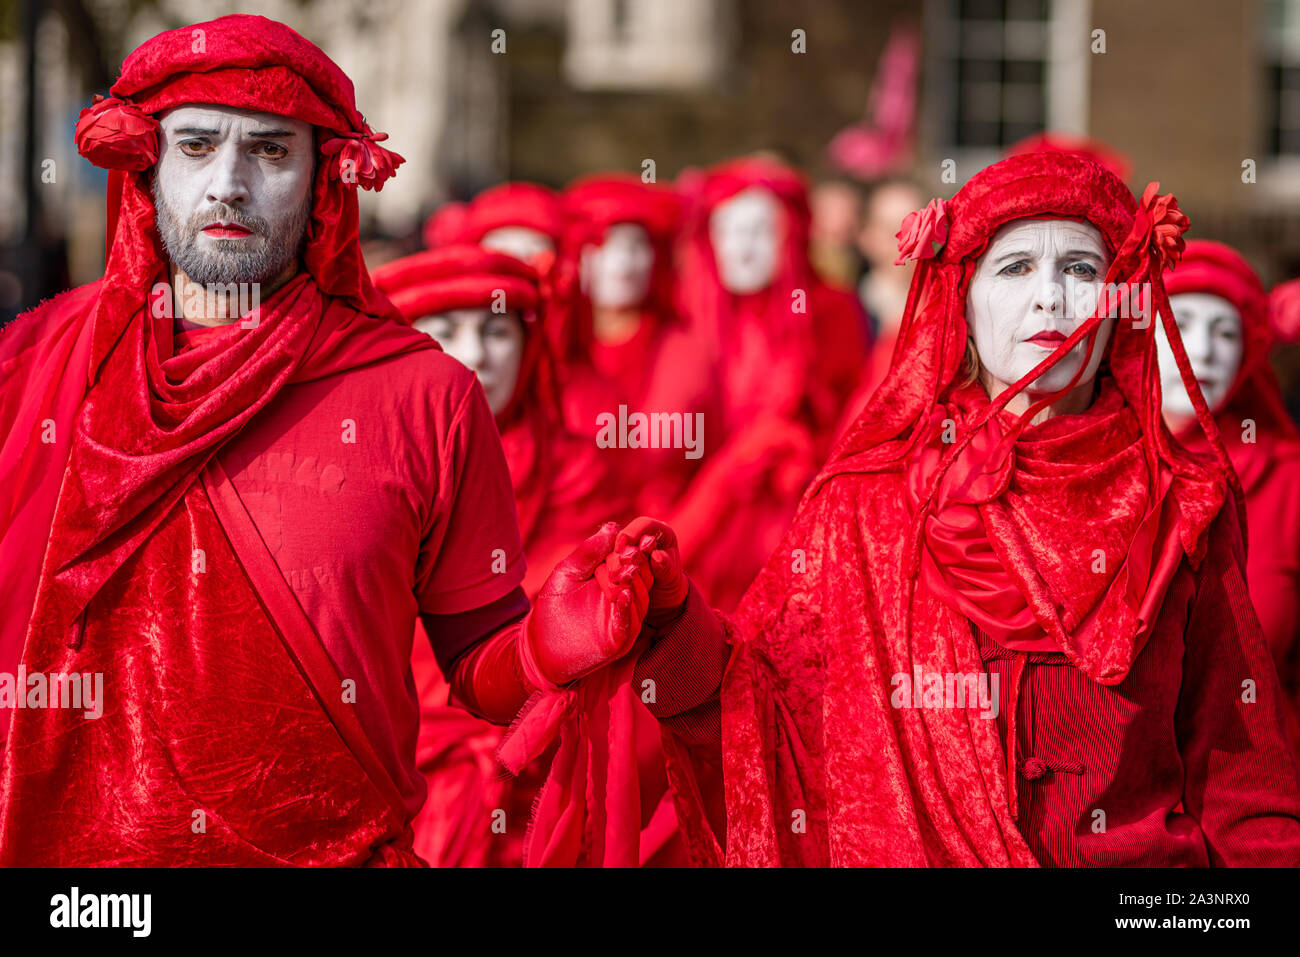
{"x": 586, "y": 615}
{"x": 652, "y": 538}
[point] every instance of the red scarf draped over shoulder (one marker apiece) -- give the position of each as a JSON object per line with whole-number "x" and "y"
{"x": 223, "y": 737}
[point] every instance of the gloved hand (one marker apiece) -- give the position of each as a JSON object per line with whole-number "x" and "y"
{"x": 650, "y": 537}
{"x": 587, "y": 614}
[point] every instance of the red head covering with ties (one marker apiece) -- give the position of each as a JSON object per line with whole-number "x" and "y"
{"x": 1210, "y": 267}
{"x": 592, "y": 205}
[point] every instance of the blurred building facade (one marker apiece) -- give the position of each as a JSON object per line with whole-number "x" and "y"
{"x": 1198, "y": 93}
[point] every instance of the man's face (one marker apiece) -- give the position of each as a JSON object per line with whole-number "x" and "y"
{"x": 1210, "y": 328}
{"x": 1037, "y": 282}
{"x": 232, "y": 189}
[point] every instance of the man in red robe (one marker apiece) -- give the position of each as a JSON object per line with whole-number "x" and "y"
{"x": 245, "y": 479}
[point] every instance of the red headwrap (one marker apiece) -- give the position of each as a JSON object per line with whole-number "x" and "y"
{"x": 592, "y": 205}
{"x": 240, "y": 61}
{"x": 507, "y": 204}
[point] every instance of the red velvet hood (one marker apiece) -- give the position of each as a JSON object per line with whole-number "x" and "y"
{"x": 1210, "y": 267}
{"x": 923, "y": 389}
{"x": 592, "y": 205}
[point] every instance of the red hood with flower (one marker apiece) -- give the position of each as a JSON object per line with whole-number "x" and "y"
{"x": 904, "y": 539}
{"x": 127, "y": 491}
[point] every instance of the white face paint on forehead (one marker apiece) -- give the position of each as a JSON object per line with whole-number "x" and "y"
{"x": 1037, "y": 281}
{"x": 616, "y": 274}
{"x": 490, "y": 344}
{"x": 1210, "y": 327}
{"x": 746, "y": 232}
{"x": 233, "y": 191}
{"x": 522, "y": 242}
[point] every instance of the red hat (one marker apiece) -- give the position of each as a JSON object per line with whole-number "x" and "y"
{"x": 241, "y": 61}
{"x": 591, "y": 205}
{"x": 594, "y": 203}
{"x": 470, "y": 277}
{"x": 458, "y": 277}
{"x": 507, "y": 204}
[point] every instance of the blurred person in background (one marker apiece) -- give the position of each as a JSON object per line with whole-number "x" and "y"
{"x": 520, "y": 218}
{"x": 1222, "y": 313}
{"x": 624, "y": 341}
{"x": 487, "y": 310}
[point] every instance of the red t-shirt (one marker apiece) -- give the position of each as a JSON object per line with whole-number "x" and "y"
{"x": 381, "y": 493}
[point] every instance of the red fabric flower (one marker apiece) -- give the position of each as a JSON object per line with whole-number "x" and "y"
{"x": 1168, "y": 223}
{"x": 114, "y": 134}
{"x": 1158, "y": 226}
{"x": 362, "y": 161}
{"x": 923, "y": 233}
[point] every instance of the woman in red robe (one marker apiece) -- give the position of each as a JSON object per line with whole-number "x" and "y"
{"x": 622, "y": 340}
{"x": 1010, "y": 624}
{"x": 787, "y": 349}
{"x": 488, "y": 310}
{"x": 1222, "y": 313}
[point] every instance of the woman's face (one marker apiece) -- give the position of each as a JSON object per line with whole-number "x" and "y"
{"x": 491, "y": 344}
{"x": 1036, "y": 283}
{"x": 1210, "y": 328}
{"x": 616, "y": 274}
{"x": 746, "y": 234}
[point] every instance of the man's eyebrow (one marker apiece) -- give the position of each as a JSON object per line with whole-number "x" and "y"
{"x": 1084, "y": 252}
{"x": 268, "y": 134}
{"x": 1017, "y": 254}
{"x": 195, "y": 131}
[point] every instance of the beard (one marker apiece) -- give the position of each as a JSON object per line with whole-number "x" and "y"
{"x": 261, "y": 258}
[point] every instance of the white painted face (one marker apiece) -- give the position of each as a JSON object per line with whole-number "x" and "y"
{"x": 491, "y": 344}
{"x": 1210, "y": 328}
{"x": 522, "y": 242}
{"x": 616, "y": 274}
{"x": 746, "y": 232}
{"x": 232, "y": 189}
{"x": 1036, "y": 283}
